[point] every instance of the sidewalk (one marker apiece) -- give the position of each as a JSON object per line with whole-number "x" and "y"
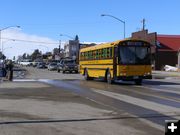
{"x": 166, "y": 73}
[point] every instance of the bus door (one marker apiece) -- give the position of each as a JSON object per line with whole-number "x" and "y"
{"x": 115, "y": 60}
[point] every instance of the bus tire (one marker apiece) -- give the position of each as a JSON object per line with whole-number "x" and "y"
{"x": 138, "y": 81}
{"x": 86, "y": 76}
{"x": 108, "y": 78}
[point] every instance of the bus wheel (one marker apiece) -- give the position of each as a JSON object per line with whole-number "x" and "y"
{"x": 108, "y": 78}
{"x": 138, "y": 81}
{"x": 86, "y": 76}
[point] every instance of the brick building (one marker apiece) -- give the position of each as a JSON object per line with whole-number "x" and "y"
{"x": 167, "y": 50}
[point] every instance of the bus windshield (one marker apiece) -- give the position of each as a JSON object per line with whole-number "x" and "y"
{"x": 134, "y": 55}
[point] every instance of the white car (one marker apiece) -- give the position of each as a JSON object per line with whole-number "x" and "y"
{"x": 52, "y": 66}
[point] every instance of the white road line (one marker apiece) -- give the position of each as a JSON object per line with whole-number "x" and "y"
{"x": 163, "y": 109}
{"x": 152, "y": 94}
{"x": 156, "y": 89}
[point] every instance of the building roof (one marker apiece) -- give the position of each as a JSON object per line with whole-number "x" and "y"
{"x": 168, "y": 42}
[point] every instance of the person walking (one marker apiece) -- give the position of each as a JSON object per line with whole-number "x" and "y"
{"x": 9, "y": 68}
{"x": 2, "y": 71}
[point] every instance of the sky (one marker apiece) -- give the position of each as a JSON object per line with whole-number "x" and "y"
{"x": 42, "y": 21}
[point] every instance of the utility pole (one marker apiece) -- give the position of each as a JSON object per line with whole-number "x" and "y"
{"x": 59, "y": 46}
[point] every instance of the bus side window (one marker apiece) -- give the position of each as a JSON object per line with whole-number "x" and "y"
{"x": 94, "y": 55}
{"x": 87, "y": 53}
{"x": 91, "y": 55}
{"x": 97, "y": 54}
{"x": 110, "y": 52}
{"x": 105, "y": 52}
{"x": 86, "y": 56}
{"x": 100, "y": 53}
{"x": 81, "y": 56}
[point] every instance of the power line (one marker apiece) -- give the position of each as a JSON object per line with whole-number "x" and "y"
{"x": 21, "y": 40}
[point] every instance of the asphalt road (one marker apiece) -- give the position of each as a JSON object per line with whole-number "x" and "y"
{"x": 54, "y": 103}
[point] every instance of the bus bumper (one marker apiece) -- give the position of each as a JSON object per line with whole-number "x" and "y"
{"x": 130, "y": 78}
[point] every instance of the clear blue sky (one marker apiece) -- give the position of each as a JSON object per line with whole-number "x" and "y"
{"x": 49, "y": 18}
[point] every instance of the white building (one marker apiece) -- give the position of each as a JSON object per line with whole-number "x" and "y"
{"x": 71, "y": 49}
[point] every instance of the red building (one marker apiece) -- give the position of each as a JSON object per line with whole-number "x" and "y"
{"x": 167, "y": 50}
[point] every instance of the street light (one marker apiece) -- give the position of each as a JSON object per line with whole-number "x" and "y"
{"x": 118, "y": 20}
{"x": 67, "y": 36}
{"x": 5, "y": 29}
{"x": 5, "y": 42}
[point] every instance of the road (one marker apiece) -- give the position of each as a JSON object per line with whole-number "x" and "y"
{"x": 51, "y": 103}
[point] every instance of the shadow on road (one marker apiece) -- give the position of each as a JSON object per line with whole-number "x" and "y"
{"x": 150, "y": 116}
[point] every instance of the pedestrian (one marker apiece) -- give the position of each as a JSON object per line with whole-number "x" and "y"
{"x": 9, "y": 68}
{"x": 2, "y": 71}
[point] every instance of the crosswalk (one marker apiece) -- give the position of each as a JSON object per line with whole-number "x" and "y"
{"x": 152, "y": 104}
{"x": 163, "y": 109}
{"x": 166, "y": 107}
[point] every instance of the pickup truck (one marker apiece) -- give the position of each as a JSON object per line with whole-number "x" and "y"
{"x": 67, "y": 65}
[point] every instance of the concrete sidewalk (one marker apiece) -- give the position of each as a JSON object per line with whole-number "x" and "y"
{"x": 166, "y": 73}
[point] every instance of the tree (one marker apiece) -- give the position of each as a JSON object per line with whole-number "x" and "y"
{"x": 3, "y": 57}
{"x": 14, "y": 58}
{"x": 24, "y": 56}
{"x": 55, "y": 51}
{"x": 35, "y": 54}
{"x": 76, "y": 37}
{"x": 28, "y": 56}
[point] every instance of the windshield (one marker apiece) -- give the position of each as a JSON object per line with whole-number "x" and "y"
{"x": 69, "y": 62}
{"x": 135, "y": 55}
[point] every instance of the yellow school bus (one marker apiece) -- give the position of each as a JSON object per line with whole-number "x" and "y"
{"x": 127, "y": 60}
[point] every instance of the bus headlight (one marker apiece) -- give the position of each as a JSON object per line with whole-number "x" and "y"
{"x": 122, "y": 74}
{"x": 148, "y": 73}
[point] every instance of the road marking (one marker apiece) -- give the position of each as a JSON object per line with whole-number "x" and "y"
{"x": 156, "y": 89}
{"x": 153, "y": 94}
{"x": 163, "y": 109}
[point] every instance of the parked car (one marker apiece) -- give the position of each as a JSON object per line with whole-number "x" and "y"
{"x": 52, "y": 66}
{"x": 25, "y": 62}
{"x": 41, "y": 65}
{"x": 67, "y": 65}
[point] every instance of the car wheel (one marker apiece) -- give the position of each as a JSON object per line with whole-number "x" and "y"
{"x": 138, "y": 81}
{"x": 86, "y": 76}
{"x": 76, "y": 72}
